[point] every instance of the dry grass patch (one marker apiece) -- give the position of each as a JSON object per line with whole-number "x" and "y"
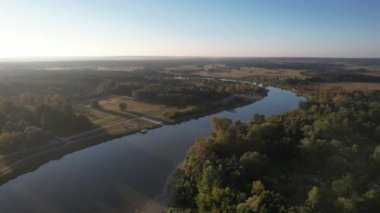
{"x": 154, "y": 110}
{"x": 96, "y": 116}
{"x": 128, "y": 126}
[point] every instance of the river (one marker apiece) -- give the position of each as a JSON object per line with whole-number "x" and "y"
{"x": 121, "y": 175}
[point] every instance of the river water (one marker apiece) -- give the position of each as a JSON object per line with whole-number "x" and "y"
{"x": 121, "y": 175}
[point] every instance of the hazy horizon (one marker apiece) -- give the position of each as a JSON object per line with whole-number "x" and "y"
{"x": 168, "y": 28}
{"x": 126, "y": 58}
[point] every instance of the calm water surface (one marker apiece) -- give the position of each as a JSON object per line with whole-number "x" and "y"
{"x": 122, "y": 174}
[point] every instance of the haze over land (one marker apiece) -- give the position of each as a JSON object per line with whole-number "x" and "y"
{"x": 190, "y": 106}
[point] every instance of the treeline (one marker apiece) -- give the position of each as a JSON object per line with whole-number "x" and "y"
{"x": 148, "y": 86}
{"x": 30, "y": 120}
{"x": 175, "y": 92}
{"x": 323, "y": 157}
{"x": 70, "y": 84}
{"x": 342, "y": 76}
{"x": 191, "y": 111}
{"x": 326, "y": 77}
{"x": 180, "y": 95}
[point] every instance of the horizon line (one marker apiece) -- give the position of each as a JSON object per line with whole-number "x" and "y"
{"x": 158, "y": 57}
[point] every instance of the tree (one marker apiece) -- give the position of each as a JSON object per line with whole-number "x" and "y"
{"x": 105, "y": 86}
{"x": 3, "y": 119}
{"x": 122, "y": 106}
{"x": 254, "y": 164}
{"x": 265, "y": 201}
{"x": 345, "y": 205}
{"x": 377, "y": 132}
{"x": 371, "y": 201}
{"x": 184, "y": 191}
{"x": 82, "y": 123}
{"x": 313, "y": 197}
{"x": 344, "y": 186}
{"x": 220, "y": 126}
{"x": 257, "y": 187}
{"x": 376, "y": 154}
{"x": 95, "y": 104}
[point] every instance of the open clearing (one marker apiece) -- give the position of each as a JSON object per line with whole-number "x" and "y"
{"x": 134, "y": 106}
{"x": 111, "y": 120}
{"x": 110, "y": 112}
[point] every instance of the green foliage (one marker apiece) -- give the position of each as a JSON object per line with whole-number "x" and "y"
{"x": 345, "y": 205}
{"x": 105, "y": 86}
{"x": 122, "y": 106}
{"x": 36, "y": 121}
{"x": 343, "y": 186}
{"x": 376, "y": 154}
{"x": 254, "y": 164}
{"x": 263, "y": 201}
{"x": 220, "y": 126}
{"x": 314, "y": 197}
{"x": 95, "y": 104}
{"x": 172, "y": 93}
{"x": 323, "y": 157}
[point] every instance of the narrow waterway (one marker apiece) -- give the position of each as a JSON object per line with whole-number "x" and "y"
{"x": 121, "y": 175}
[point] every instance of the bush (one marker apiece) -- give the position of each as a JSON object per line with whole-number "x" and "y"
{"x": 122, "y": 106}
{"x": 95, "y": 104}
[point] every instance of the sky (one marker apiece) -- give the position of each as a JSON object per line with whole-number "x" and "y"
{"x": 216, "y": 28}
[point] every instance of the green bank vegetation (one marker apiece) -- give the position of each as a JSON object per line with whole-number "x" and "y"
{"x": 34, "y": 120}
{"x": 39, "y": 107}
{"x": 323, "y": 157}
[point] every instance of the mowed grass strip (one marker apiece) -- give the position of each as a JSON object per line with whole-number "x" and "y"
{"x": 109, "y": 112}
{"x": 97, "y": 116}
{"x": 152, "y": 110}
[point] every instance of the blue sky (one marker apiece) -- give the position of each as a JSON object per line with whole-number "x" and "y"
{"x": 309, "y": 28}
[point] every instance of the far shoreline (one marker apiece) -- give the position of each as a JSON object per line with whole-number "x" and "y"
{"x": 38, "y": 159}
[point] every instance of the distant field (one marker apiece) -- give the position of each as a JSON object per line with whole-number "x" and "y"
{"x": 373, "y": 73}
{"x": 253, "y": 72}
{"x": 347, "y": 86}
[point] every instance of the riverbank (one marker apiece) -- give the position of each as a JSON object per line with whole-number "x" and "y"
{"x": 123, "y": 174}
{"x": 163, "y": 200}
{"x": 15, "y": 166}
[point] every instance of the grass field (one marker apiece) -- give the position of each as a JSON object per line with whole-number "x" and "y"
{"x": 253, "y": 72}
{"x": 110, "y": 111}
{"x": 117, "y": 122}
{"x": 134, "y": 106}
{"x": 97, "y": 116}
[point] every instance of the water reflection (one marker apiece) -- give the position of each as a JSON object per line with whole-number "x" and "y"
{"x": 122, "y": 174}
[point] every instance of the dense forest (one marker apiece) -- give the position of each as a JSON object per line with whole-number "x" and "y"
{"x": 31, "y": 120}
{"x": 37, "y": 105}
{"x": 143, "y": 85}
{"x": 323, "y": 157}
